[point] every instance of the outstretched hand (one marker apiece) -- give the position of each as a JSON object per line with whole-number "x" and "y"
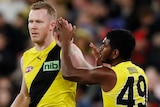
{"x": 95, "y": 52}
{"x": 65, "y": 30}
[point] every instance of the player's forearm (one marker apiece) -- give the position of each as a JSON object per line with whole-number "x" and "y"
{"x": 21, "y": 101}
{"x": 67, "y": 67}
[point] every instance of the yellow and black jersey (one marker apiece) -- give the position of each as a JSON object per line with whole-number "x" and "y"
{"x": 131, "y": 89}
{"x": 42, "y": 75}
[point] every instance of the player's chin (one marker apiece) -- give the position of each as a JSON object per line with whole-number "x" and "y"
{"x": 104, "y": 61}
{"x": 35, "y": 40}
{"x": 107, "y": 62}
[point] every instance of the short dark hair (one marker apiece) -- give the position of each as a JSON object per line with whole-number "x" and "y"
{"x": 44, "y": 5}
{"x": 122, "y": 40}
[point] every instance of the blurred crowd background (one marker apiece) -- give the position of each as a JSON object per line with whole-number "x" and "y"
{"x": 93, "y": 19}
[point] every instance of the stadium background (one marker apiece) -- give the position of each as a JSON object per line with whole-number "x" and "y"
{"x": 93, "y": 18}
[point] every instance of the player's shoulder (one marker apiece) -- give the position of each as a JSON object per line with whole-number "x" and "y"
{"x": 29, "y": 51}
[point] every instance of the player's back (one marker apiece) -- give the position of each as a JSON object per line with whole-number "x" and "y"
{"x": 131, "y": 88}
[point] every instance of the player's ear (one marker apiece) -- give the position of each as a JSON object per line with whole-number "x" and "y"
{"x": 53, "y": 24}
{"x": 115, "y": 53}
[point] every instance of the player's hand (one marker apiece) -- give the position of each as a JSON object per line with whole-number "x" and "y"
{"x": 65, "y": 30}
{"x": 95, "y": 52}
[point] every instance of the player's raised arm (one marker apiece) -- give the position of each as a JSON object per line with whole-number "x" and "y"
{"x": 81, "y": 75}
{"x": 75, "y": 53}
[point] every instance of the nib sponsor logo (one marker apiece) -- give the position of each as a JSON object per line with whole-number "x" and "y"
{"x": 51, "y": 66}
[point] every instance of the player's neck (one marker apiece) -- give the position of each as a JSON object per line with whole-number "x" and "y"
{"x": 44, "y": 45}
{"x": 117, "y": 61}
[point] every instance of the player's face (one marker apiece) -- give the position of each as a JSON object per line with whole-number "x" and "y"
{"x": 105, "y": 51}
{"x": 39, "y": 25}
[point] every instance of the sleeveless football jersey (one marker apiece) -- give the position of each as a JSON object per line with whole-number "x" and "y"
{"x": 131, "y": 89}
{"x": 42, "y": 75}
